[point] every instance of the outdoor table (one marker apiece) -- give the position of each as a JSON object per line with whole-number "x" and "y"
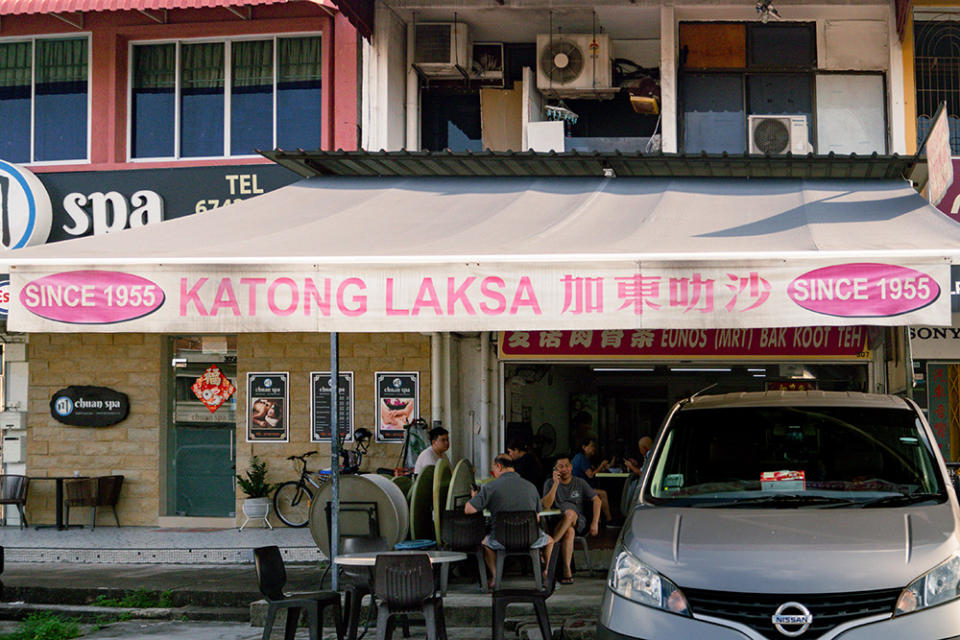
{"x": 612, "y": 474}
{"x": 369, "y": 559}
{"x": 60, "y": 525}
{"x": 614, "y": 489}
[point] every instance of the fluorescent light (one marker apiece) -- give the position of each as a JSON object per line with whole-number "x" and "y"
{"x": 619, "y": 369}
{"x": 764, "y": 370}
{"x": 759, "y": 375}
{"x": 720, "y": 370}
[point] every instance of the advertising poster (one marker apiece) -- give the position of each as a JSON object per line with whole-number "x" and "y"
{"x": 267, "y": 406}
{"x": 320, "y": 422}
{"x": 398, "y": 403}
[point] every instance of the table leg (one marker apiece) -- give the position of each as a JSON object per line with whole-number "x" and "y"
{"x": 59, "y": 506}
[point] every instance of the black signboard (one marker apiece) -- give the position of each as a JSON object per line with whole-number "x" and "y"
{"x": 267, "y": 406}
{"x": 320, "y": 424}
{"x": 81, "y": 406}
{"x": 398, "y": 403}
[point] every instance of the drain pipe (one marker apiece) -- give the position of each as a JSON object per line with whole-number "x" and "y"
{"x": 436, "y": 385}
{"x": 483, "y": 463}
{"x": 447, "y": 387}
{"x": 412, "y": 137}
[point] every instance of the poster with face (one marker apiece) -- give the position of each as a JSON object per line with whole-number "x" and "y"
{"x": 398, "y": 403}
{"x": 267, "y": 407}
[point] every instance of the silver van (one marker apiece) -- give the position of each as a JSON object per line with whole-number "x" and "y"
{"x": 798, "y": 514}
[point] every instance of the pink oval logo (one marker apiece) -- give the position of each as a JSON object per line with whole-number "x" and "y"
{"x": 91, "y": 297}
{"x": 865, "y": 290}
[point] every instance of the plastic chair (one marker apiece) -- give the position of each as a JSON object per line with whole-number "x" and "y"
{"x": 536, "y": 597}
{"x": 464, "y": 532}
{"x": 404, "y": 584}
{"x": 13, "y": 490}
{"x": 517, "y": 531}
{"x": 582, "y": 541}
{"x": 103, "y": 491}
{"x": 271, "y": 578}
{"x": 357, "y": 582}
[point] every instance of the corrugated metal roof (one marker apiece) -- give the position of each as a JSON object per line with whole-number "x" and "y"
{"x": 14, "y": 7}
{"x": 576, "y": 164}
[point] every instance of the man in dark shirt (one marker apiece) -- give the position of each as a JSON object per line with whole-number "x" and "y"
{"x": 525, "y": 462}
{"x": 571, "y": 496}
{"x": 506, "y": 492}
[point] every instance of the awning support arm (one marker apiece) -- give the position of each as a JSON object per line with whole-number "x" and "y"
{"x": 158, "y": 15}
{"x": 244, "y": 13}
{"x": 75, "y": 22}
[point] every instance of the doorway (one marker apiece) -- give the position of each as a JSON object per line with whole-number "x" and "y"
{"x": 201, "y": 458}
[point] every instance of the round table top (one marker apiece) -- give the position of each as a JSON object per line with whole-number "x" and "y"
{"x": 543, "y": 513}
{"x": 611, "y": 474}
{"x": 370, "y": 559}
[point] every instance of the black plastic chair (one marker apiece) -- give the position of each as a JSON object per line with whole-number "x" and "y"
{"x": 464, "y": 532}
{"x": 536, "y": 597}
{"x": 102, "y": 491}
{"x": 403, "y": 585}
{"x": 13, "y": 490}
{"x": 271, "y": 578}
{"x": 517, "y": 531}
{"x": 357, "y": 582}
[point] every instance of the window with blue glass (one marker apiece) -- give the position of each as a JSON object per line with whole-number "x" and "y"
{"x": 231, "y": 98}
{"x": 40, "y": 82}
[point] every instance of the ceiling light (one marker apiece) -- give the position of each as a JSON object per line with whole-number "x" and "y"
{"x": 619, "y": 369}
{"x": 718, "y": 370}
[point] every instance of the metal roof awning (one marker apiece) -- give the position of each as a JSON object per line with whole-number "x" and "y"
{"x": 573, "y": 163}
{"x": 515, "y": 253}
{"x": 15, "y": 7}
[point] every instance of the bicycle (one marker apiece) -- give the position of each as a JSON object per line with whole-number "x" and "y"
{"x": 292, "y": 499}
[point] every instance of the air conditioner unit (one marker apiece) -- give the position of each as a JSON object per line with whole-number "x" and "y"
{"x": 442, "y": 49}
{"x": 777, "y": 135}
{"x": 578, "y": 62}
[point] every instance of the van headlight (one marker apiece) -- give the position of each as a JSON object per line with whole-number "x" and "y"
{"x": 940, "y": 584}
{"x": 638, "y": 581}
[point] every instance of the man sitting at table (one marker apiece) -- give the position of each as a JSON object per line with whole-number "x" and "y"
{"x": 429, "y": 457}
{"x": 506, "y": 492}
{"x": 570, "y": 495}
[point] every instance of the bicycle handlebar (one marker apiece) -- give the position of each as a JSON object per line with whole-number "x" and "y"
{"x": 302, "y": 457}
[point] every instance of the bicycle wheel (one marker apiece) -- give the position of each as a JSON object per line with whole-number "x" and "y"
{"x": 291, "y": 501}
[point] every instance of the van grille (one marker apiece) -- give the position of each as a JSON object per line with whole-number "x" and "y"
{"x": 755, "y": 609}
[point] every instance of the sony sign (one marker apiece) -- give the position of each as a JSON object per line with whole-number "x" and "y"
{"x": 111, "y": 211}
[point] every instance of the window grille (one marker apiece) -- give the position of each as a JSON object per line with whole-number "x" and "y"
{"x": 937, "y": 62}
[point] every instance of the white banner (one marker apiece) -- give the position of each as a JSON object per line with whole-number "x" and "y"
{"x": 471, "y": 297}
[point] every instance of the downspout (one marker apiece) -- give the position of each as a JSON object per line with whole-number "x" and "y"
{"x": 483, "y": 463}
{"x": 436, "y": 384}
{"x": 447, "y": 387}
{"x": 413, "y": 94}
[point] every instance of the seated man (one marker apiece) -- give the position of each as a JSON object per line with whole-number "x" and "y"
{"x": 506, "y": 492}
{"x": 571, "y": 496}
{"x": 429, "y": 457}
{"x": 525, "y": 463}
{"x": 638, "y": 463}
{"x": 582, "y": 468}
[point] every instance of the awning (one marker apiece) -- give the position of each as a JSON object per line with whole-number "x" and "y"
{"x": 460, "y": 254}
{"x": 14, "y": 7}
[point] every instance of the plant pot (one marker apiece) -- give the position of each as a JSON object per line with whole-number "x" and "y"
{"x": 256, "y": 508}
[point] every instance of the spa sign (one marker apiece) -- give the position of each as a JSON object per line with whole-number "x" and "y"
{"x": 479, "y": 296}
{"x": 86, "y": 406}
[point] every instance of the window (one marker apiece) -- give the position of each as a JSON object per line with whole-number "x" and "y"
{"x": 938, "y": 75}
{"x": 41, "y": 80}
{"x": 210, "y": 99}
{"x": 450, "y": 120}
{"x": 732, "y": 70}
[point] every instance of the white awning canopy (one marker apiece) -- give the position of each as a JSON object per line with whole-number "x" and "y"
{"x": 454, "y": 254}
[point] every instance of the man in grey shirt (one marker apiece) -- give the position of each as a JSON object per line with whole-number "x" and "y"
{"x": 572, "y": 496}
{"x": 506, "y": 492}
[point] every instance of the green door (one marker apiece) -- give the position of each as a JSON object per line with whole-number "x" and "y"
{"x": 201, "y": 465}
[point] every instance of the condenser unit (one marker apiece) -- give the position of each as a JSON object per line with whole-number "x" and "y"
{"x": 569, "y": 63}
{"x": 778, "y": 135}
{"x": 442, "y": 49}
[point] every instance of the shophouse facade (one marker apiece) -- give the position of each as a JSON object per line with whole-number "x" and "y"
{"x": 650, "y": 77}
{"x": 122, "y": 115}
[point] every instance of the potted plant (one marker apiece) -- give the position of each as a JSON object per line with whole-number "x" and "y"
{"x": 254, "y": 484}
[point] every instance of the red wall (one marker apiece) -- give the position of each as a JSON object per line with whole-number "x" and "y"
{"x": 112, "y": 31}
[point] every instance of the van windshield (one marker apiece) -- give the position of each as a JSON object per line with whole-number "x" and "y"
{"x": 825, "y": 457}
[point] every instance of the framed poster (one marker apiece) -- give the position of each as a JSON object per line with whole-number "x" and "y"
{"x": 398, "y": 403}
{"x": 268, "y": 410}
{"x": 320, "y": 427}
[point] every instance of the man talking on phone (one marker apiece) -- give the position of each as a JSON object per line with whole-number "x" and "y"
{"x": 570, "y": 495}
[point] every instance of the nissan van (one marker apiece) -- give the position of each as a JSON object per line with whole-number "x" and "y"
{"x": 798, "y": 514}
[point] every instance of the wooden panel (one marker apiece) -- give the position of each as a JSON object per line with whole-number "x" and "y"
{"x": 501, "y": 113}
{"x": 713, "y": 45}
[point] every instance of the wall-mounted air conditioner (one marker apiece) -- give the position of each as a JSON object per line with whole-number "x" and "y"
{"x": 778, "y": 135}
{"x": 570, "y": 63}
{"x": 442, "y": 49}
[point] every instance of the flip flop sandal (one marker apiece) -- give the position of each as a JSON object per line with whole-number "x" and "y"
{"x": 567, "y": 580}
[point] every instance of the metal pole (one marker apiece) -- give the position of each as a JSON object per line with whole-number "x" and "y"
{"x": 334, "y": 455}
